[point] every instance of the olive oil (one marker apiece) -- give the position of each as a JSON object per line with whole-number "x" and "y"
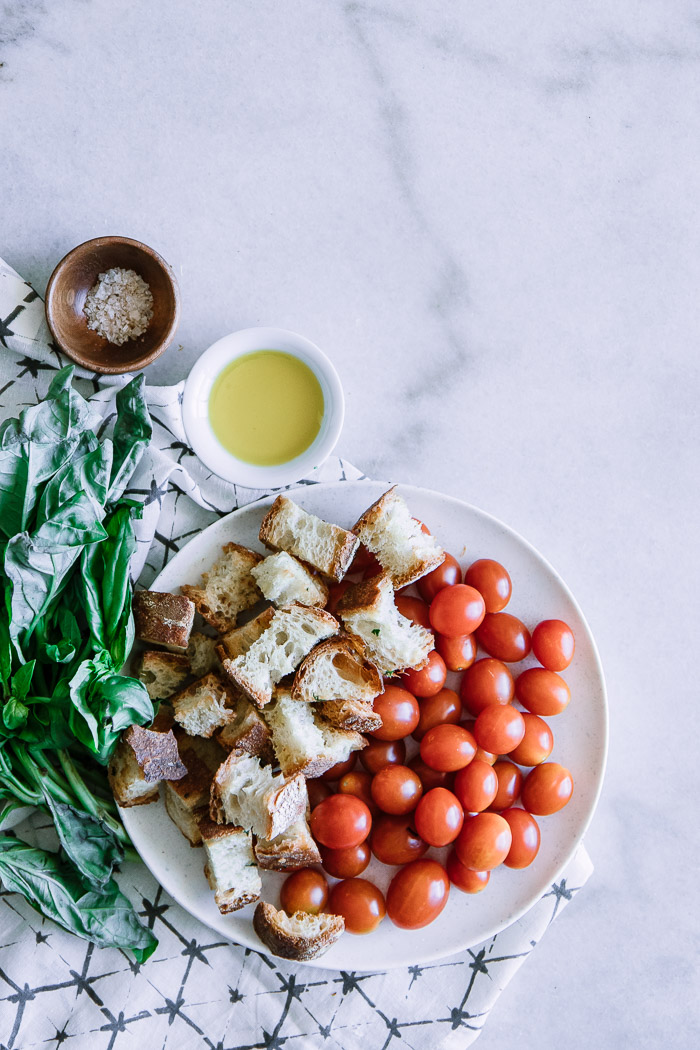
{"x": 266, "y": 407}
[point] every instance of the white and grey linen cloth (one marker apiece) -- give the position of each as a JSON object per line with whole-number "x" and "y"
{"x": 197, "y": 990}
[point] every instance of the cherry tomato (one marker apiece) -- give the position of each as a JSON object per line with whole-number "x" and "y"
{"x": 423, "y": 527}
{"x": 417, "y": 894}
{"x": 484, "y": 841}
{"x": 491, "y": 581}
{"x": 346, "y": 863}
{"x": 429, "y": 778}
{"x": 553, "y": 644}
{"x": 304, "y": 890}
{"x": 414, "y": 609}
{"x": 335, "y": 593}
{"x": 317, "y": 791}
{"x": 428, "y": 679}
{"x": 439, "y": 817}
{"x": 362, "y": 560}
{"x": 456, "y": 610}
{"x": 476, "y": 786}
{"x": 547, "y": 789}
{"x": 483, "y": 756}
{"x": 499, "y": 729}
{"x": 510, "y": 781}
{"x": 438, "y": 710}
{"x": 542, "y": 692}
{"x": 396, "y": 789}
{"x": 537, "y": 743}
{"x": 447, "y": 748}
{"x": 341, "y": 821}
{"x": 399, "y": 712}
{"x": 526, "y": 838}
{"x": 373, "y": 569}
{"x": 358, "y": 783}
{"x": 394, "y": 840}
{"x": 446, "y": 575}
{"x": 360, "y": 903}
{"x": 488, "y": 681}
{"x": 465, "y": 879}
{"x": 458, "y": 652}
{"x": 504, "y": 636}
{"x": 340, "y": 768}
{"x": 380, "y": 753}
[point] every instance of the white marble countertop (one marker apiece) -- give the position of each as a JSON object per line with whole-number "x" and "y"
{"x": 487, "y": 214}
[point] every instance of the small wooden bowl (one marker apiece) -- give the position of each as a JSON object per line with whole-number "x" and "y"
{"x": 69, "y": 285}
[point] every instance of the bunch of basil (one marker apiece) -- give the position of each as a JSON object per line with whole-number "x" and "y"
{"x": 66, "y": 541}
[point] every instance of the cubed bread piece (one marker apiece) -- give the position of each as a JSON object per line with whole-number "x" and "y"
{"x": 185, "y": 797}
{"x": 337, "y": 670}
{"x": 185, "y": 819}
{"x": 397, "y": 540}
{"x": 201, "y": 653}
{"x": 300, "y": 936}
{"x": 284, "y": 580}
{"x": 328, "y": 548}
{"x": 278, "y": 651}
{"x": 163, "y": 619}
{"x": 129, "y": 785}
{"x": 230, "y": 866}
{"x": 248, "y": 794}
{"x": 302, "y": 741}
{"x": 141, "y": 759}
{"x": 205, "y": 705}
{"x": 163, "y": 673}
{"x": 238, "y": 641}
{"x": 247, "y": 732}
{"x": 392, "y": 642}
{"x": 351, "y": 714}
{"x": 294, "y": 848}
{"x": 228, "y": 587}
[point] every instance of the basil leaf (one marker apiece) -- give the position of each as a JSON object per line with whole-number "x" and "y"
{"x": 104, "y": 704}
{"x": 106, "y": 583}
{"x": 87, "y": 472}
{"x": 132, "y": 433}
{"x": 86, "y": 840}
{"x": 14, "y": 714}
{"x": 22, "y": 679}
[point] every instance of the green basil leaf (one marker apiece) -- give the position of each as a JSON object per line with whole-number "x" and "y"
{"x": 132, "y": 433}
{"x": 87, "y": 472}
{"x": 87, "y": 842}
{"x": 106, "y": 583}
{"x": 60, "y": 653}
{"x": 104, "y": 704}
{"x": 22, "y": 679}
{"x": 14, "y": 714}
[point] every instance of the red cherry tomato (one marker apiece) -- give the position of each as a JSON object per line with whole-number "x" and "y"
{"x": 414, "y": 609}
{"x": 399, "y": 712}
{"x": 417, "y": 894}
{"x": 526, "y": 838}
{"x": 484, "y": 841}
{"x": 504, "y": 636}
{"x": 438, "y": 710}
{"x": 396, "y": 789}
{"x": 439, "y": 817}
{"x": 488, "y": 681}
{"x": 380, "y": 753}
{"x": 537, "y": 743}
{"x": 483, "y": 756}
{"x": 456, "y": 610}
{"x": 423, "y": 527}
{"x": 542, "y": 692}
{"x": 360, "y": 903}
{"x": 394, "y": 840}
{"x": 341, "y": 821}
{"x": 430, "y": 778}
{"x": 358, "y": 783}
{"x": 346, "y": 863}
{"x": 428, "y": 679}
{"x": 465, "y": 879}
{"x": 491, "y": 581}
{"x": 374, "y": 569}
{"x": 510, "y": 781}
{"x": 499, "y": 729}
{"x": 553, "y": 644}
{"x": 304, "y": 890}
{"x": 446, "y": 575}
{"x": 547, "y": 789}
{"x": 339, "y": 769}
{"x": 476, "y": 786}
{"x": 458, "y": 652}
{"x": 317, "y": 791}
{"x": 447, "y": 748}
{"x": 335, "y": 593}
{"x": 362, "y": 560}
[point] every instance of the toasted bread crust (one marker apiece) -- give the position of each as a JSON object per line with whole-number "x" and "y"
{"x": 248, "y": 591}
{"x": 211, "y": 684}
{"x": 372, "y": 519}
{"x": 363, "y": 595}
{"x": 286, "y": 859}
{"x": 346, "y": 543}
{"x": 358, "y": 715}
{"x": 201, "y": 758}
{"x": 346, "y": 648}
{"x": 163, "y": 673}
{"x": 247, "y": 733}
{"x": 156, "y": 753}
{"x": 273, "y": 929}
{"x": 163, "y": 619}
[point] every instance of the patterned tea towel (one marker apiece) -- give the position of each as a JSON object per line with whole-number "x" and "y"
{"x": 196, "y": 990}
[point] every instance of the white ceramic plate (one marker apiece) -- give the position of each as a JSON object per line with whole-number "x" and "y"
{"x": 580, "y": 739}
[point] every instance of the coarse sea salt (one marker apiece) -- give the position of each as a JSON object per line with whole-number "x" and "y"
{"x": 119, "y": 305}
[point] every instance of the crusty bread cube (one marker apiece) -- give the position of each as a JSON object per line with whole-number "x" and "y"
{"x": 205, "y": 705}
{"x": 185, "y": 819}
{"x": 185, "y": 797}
{"x": 351, "y": 714}
{"x": 294, "y": 848}
{"x": 163, "y": 673}
{"x": 201, "y": 653}
{"x": 141, "y": 759}
{"x": 238, "y": 641}
{"x": 228, "y": 587}
{"x": 397, "y": 540}
{"x": 248, "y": 794}
{"x": 328, "y": 548}
{"x": 337, "y": 670}
{"x": 284, "y": 580}
{"x": 247, "y": 732}
{"x": 300, "y": 936}
{"x": 278, "y": 651}
{"x": 230, "y": 866}
{"x": 163, "y": 619}
{"x": 303, "y": 742}
{"x": 391, "y": 641}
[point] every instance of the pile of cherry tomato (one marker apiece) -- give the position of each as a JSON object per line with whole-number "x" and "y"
{"x": 461, "y": 787}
